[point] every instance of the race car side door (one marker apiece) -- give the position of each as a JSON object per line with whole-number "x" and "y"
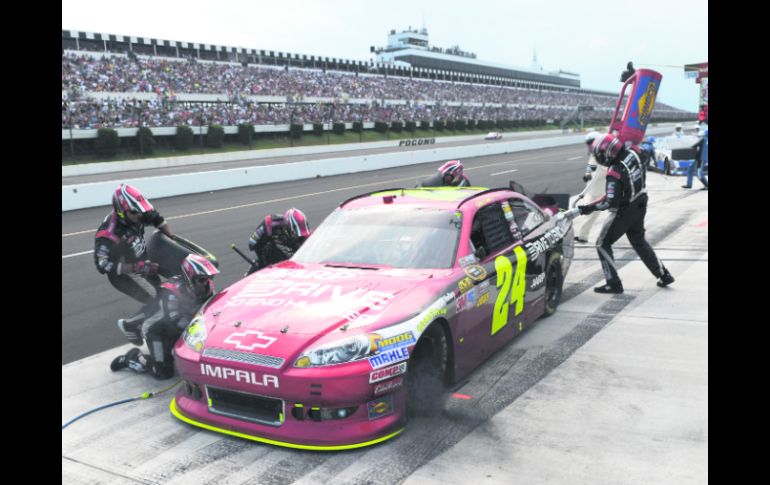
{"x": 493, "y": 290}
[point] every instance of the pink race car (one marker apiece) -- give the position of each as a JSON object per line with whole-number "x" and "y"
{"x": 396, "y": 295}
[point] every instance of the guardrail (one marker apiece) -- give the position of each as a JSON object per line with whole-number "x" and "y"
{"x": 80, "y": 196}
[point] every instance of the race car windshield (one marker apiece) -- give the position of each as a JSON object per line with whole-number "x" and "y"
{"x": 400, "y": 237}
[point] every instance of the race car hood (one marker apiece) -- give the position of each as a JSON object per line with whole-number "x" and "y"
{"x": 288, "y": 306}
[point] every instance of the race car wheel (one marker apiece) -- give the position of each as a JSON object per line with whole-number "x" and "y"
{"x": 427, "y": 375}
{"x": 554, "y": 282}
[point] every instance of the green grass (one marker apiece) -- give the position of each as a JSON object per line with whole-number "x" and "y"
{"x": 307, "y": 139}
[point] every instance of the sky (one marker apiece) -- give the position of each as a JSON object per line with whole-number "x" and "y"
{"x": 590, "y": 37}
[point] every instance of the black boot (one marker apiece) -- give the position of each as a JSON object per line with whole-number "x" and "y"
{"x": 133, "y": 359}
{"x": 615, "y": 287}
{"x": 665, "y": 279}
{"x": 132, "y": 328}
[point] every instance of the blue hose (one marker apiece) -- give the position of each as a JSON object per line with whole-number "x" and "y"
{"x": 144, "y": 395}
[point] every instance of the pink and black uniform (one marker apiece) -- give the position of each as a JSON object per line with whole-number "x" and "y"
{"x": 449, "y": 174}
{"x": 278, "y": 237}
{"x": 626, "y": 199}
{"x": 163, "y": 320}
{"x": 120, "y": 250}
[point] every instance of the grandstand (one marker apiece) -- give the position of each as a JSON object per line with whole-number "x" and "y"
{"x": 412, "y": 49}
{"x": 124, "y": 82}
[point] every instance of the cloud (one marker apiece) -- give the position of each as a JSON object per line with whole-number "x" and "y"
{"x": 598, "y": 43}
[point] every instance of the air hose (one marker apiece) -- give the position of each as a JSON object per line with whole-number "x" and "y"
{"x": 144, "y": 395}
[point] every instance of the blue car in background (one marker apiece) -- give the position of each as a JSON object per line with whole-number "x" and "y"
{"x": 674, "y": 155}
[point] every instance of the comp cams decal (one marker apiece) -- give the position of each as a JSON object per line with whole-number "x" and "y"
{"x": 386, "y": 373}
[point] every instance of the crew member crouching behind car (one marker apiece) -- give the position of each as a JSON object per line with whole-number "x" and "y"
{"x": 162, "y": 321}
{"x": 278, "y": 237}
{"x": 626, "y": 199}
{"x": 450, "y": 174}
{"x": 595, "y": 176}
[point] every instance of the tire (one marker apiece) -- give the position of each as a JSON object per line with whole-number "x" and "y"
{"x": 554, "y": 282}
{"x": 426, "y": 381}
{"x": 667, "y": 167}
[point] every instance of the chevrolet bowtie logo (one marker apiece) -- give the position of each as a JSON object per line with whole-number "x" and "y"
{"x": 250, "y": 340}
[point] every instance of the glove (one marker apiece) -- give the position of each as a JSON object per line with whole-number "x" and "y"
{"x": 146, "y": 268}
{"x": 569, "y": 215}
{"x": 586, "y": 177}
{"x": 586, "y": 209}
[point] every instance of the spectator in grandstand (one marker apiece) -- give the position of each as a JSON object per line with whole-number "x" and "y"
{"x": 165, "y": 77}
{"x": 120, "y": 250}
{"x": 595, "y": 177}
{"x": 278, "y": 237}
{"x": 449, "y": 174}
{"x": 163, "y": 319}
{"x": 626, "y": 198}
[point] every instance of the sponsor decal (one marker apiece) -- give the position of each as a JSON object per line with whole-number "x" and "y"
{"x": 380, "y": 407}
{"x": 250, "y": 340}
{"x": 226, "y": 374}
{"x": 462, "y": 302}
{"x": 303, "y": 274}
{"x": 483, "y": 202}
{"x": 416, "y": 142}
{"x": 483, "y": 299}
{"x": 275, "y": 293}
{"x": 467, "y": 260}
{"x": 386, "y": 373}
{"x": 389, "y": 357}
{"x": 546, "y": 241}
{"x": 538, "y": 280}
{"x": 510, "y": 283}
{"x": 137, "y": 245}
{"x": 433, "y": 313}
{"x": 507, "y": 212}
{"x": 362, "y": 321}
{"x": 476, "y": 272}
{"x": 388, "y": 386}
{"x": 406, "y": 338}
{"x": 647, "y": 103}
{"x": 471, "y": 297}
{"x": 465, "y": 284}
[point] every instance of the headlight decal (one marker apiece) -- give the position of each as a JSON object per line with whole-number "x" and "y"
{"x": 386, "y": 347}
{"x": 195, "y": 334}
